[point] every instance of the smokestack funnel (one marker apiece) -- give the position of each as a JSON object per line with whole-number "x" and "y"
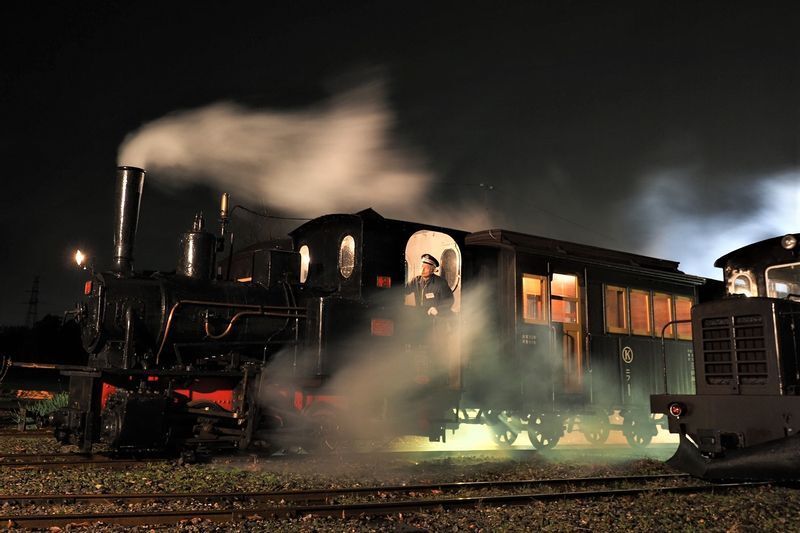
{"x": 130, "y": 181}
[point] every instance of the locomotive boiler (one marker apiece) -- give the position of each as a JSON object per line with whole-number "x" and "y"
{"x": 171, "y": 356}
{"x": 744, "y": 419}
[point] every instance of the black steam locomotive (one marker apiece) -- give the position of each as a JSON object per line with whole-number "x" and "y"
{"x": 745, "y": 418}
{"x": 318, "y": 343}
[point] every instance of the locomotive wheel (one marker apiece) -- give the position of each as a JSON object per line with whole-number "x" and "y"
{"x": 504, "y": 436}
{"x": 595, "y": 429}
{"x": 326, "y": 432}
{"x": 639, "y": 430}
{"x": 544, "y": 431}
{"x": 502, "y": 433}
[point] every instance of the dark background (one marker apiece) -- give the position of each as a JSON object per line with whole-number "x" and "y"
{"x": 664, "y": 128}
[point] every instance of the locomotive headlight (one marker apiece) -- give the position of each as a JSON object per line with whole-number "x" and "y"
{"x": 789, "y": 242}
{"x": 676, "y": 409}
{"x": 80, "y": 259}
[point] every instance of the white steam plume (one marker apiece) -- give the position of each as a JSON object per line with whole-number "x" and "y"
{"x": 335, "y": 157}
{"x": 680, "y": 229}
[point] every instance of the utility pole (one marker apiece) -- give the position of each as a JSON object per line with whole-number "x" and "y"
{"x": 33, "y": 304}
{"x": 487, "y": 188}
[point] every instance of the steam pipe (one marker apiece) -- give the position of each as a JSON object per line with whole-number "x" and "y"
{"x": 130, "y": 181}
{"x": 273, "y": 310}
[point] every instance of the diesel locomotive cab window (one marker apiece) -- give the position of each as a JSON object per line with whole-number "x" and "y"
{"x": 640, "y": 313}
{"x": 743, "y": 283}
{"x": 534, "y": 298}
{"x": 616, "y": 309}
{"x": 305, "y": 260}
{"x": 784, "y": 281}
{"x": 347, "y": 256}
{"x": 683, "y": 311}
{"x": 662, "y": 314}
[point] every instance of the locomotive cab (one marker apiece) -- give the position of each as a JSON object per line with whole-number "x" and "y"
{"x": 747, "y": 367}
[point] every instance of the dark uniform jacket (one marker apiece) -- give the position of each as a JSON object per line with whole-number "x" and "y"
{"x": 433, "y": 292}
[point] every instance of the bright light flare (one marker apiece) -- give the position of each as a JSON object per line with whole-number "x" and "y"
{"x": 80, "y": 258}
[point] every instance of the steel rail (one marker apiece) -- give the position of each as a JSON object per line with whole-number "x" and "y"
{"x": 63, "y": 460}
{"x": 325, "y": 494}
{"x": 341, "y": 510}
{"x": 29, "y": 433}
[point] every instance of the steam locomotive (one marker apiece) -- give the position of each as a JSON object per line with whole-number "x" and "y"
{"x": 317, "y": 344}
{"x": 744, "y": 420}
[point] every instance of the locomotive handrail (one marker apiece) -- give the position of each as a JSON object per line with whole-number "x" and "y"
{"x": 179, "y": 303}
{"x": 237, "y": 316}
{"x": 664, "y": 348}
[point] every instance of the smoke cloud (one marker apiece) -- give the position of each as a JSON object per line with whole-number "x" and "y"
{"x": 334, "y": 157}
{"x": 686, "y": 231}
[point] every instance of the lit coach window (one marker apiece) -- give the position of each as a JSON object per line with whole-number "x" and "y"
{"x": 347, "y": 256}
{"x": 305, "y": 260}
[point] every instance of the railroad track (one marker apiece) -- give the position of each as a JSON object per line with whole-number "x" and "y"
{"x": 29, "y": 433}
{"x": 65, "y": 460}
{"x": 334, "y": 502}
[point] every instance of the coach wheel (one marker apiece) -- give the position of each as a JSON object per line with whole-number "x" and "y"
{"x": 639, "y": 430}
{"x": 499, "y": 425}
{"x": 544, "y": 431}
{"x": 595, "y": 429}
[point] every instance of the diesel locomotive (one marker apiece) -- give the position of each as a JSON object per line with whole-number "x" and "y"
{"x": 317, "y": 343}
{"x": 744, "y": 419}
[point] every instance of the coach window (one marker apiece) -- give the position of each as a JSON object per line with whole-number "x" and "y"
{"x": 347, "y": 256}
{"x": 640, "y": 313}
{"x": 305, "y": 260}
{"x": 683, "y": 311}
{"x": 534, "y": 298}
{"x": 662, "y": 314}
{"x": 616, "y": 309}
{"x": 564, "y": 301}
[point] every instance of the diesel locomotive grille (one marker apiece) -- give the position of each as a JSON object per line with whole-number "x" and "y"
{"x": 734, "y": 350}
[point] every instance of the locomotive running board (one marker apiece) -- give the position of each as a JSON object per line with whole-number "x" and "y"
{"x": 774, "y": 460}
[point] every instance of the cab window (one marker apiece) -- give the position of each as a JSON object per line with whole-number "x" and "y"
{"x": 783, "y": 281}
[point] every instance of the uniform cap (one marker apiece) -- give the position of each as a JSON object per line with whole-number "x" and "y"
{"x": 428, "y": 258}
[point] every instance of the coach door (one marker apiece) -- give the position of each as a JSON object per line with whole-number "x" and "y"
{"x": 444, "y": 248}
{"x": 566, "y": 309}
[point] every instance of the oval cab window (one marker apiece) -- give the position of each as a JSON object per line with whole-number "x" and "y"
{"x": 347, "y": 256}
{"x": 305, "y": 260}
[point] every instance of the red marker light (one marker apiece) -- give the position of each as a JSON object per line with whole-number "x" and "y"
{"x": 384, "y": 282}
{"x": 676, "y": 409}
{"x": 87, "y": 288}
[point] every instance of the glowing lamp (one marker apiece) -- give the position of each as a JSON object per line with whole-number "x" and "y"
{"x": 80, "y": 259}
{"x": 676, "y": 409}
{"x": 789, "y": 242}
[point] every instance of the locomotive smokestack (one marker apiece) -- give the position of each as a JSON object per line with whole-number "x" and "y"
{"x": 130, "y": 181}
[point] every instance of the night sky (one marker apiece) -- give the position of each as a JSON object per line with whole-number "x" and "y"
{"x": 665, "y": 128}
